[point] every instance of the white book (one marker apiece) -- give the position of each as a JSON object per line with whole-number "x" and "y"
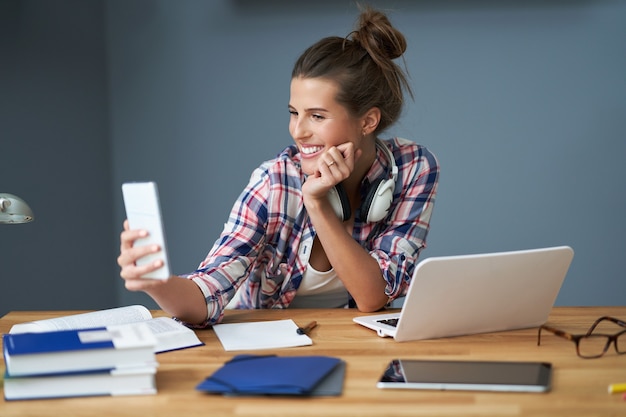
{"x": 169, "y": 333}
{"x": 128, "y": 381}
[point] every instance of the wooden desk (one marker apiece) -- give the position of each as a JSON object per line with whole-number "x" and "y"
{"x": 579, "y": 385}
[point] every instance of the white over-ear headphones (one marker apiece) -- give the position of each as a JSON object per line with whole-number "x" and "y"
{"x": 379, "y": 197}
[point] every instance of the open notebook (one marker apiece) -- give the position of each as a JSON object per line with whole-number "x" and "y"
{"x": 468, "y": 294}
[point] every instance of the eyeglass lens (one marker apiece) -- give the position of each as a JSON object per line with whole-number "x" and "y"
{"x": 596, "y": 345}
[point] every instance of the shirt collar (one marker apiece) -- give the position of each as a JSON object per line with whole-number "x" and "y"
{"x": 379, "y": 168}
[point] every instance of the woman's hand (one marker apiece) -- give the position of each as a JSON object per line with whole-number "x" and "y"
{"x": 177, "y": 296}
{"x": 127, "y": 260}
{"x": 334, "y": 166}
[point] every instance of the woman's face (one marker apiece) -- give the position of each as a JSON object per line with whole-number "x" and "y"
{"x": 317, "y": 121}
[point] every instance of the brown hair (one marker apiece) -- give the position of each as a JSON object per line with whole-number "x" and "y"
{"x": 362, "y": 66}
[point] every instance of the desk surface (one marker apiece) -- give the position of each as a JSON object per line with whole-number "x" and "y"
{"x": 579, "y": 386}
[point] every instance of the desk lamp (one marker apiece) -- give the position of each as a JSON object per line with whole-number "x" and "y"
{"x": 14, "y": 210}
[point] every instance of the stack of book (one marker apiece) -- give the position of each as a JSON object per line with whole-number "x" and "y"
{"x": 110, "y": 360}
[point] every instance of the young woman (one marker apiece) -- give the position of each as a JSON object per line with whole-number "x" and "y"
{"x": 337, "y": 219}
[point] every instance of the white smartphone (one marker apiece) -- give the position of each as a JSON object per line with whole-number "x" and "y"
{"x": 467, "y": 375}
{"x": 143, "y": 211}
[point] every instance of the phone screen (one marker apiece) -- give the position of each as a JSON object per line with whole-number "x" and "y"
{"x": 143, "y": 210}
{"x": 467, "y": 375}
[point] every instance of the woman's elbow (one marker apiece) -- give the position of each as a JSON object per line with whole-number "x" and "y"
{"x": 371, "y": 306}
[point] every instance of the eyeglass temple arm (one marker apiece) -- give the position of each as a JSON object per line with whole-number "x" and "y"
{"x": 612, "y": 319}
{"x": 555, "y": 331}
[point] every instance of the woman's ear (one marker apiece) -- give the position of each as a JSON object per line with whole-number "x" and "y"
{"x": 370, "y": 120}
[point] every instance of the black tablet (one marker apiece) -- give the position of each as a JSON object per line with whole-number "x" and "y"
{"x": 467, "y": 375}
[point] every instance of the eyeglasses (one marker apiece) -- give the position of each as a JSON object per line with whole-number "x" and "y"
{"x": 592, "y": 345}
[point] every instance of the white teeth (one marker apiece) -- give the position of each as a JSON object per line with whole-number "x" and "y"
{"x": 311, "y": 149}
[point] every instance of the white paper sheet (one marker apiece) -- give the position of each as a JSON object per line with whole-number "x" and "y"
{"x": 260, "y": 335}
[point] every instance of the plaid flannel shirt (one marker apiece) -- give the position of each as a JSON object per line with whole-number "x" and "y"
{"x": 265, "y": 246}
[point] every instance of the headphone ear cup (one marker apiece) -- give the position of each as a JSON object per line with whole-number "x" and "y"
{"x": 339, "y": 200}
{"x": 378, "y": 200}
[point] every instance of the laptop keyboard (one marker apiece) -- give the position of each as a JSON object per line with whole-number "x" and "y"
{"x": 389, "y": 322}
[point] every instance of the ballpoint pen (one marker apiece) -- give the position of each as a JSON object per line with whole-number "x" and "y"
{"x": 306, "y": 329}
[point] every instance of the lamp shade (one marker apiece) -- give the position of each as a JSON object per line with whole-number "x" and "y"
{"x": 14, "y": 210}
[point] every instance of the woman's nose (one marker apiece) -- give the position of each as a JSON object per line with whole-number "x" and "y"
{"x": 299, "y": 129}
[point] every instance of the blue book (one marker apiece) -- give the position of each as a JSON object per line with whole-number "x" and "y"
{"x": 66, "y": 351}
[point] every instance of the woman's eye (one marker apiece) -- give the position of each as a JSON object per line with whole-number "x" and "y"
{"x": 318, "y": 117}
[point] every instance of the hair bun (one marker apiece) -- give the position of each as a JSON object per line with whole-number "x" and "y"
{"x": 378, "y": 37}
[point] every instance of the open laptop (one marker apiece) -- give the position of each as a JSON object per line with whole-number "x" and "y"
{"x": 469, "y": 294}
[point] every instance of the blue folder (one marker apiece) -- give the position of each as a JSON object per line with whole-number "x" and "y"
{"x": 277, "y": 375}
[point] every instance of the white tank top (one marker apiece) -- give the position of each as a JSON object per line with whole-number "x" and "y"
{"x": 320, "y": 290}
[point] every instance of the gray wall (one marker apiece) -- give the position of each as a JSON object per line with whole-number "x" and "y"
{"x": 522, "y": 101}
{"x": 55, "y": 153}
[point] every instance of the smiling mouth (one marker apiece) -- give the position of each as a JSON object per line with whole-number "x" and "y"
{"x": 310, "y": 150}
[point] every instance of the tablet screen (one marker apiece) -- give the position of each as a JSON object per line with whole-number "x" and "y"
{"x": 467, "y": 375}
